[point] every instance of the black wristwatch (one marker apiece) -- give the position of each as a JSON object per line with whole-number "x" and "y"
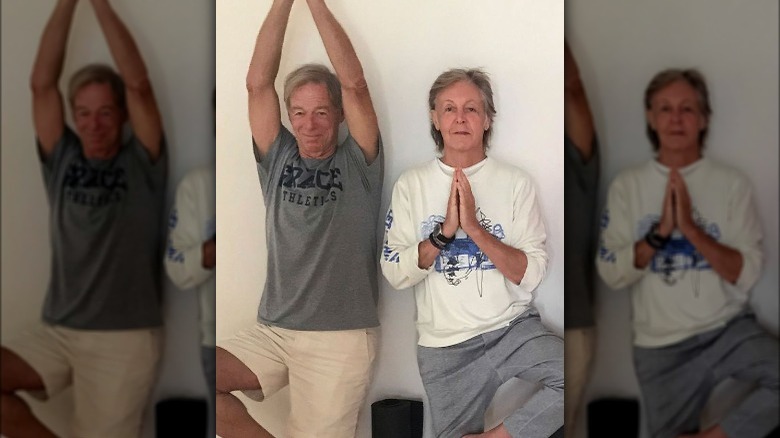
{"x": 437, "y": 238}
{"x": 654, "y": 239}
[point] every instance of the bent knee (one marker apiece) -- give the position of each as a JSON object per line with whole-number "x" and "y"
{"x": 233, "y": 375}
{"x": 16, "y": 374}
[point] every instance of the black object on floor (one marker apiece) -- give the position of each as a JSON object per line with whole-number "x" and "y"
{"x": 181, "y": 417}
{"x": 558, "y": 433}
{"x": 613, "y": 417}
{"x": 397, "y": 418}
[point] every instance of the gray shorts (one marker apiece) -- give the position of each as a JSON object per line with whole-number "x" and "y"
{"x": 677, "y": 380}
{"x": 461, "y": 380}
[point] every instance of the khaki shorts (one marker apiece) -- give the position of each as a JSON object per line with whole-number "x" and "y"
{"x": 328, "y": 372}
{"x": 112, "y": 373}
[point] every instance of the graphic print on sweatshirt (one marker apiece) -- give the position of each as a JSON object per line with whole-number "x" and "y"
{"x": 677, "y": 257}
{"x": 460, "y": 258}
{"x": 303, "y": 186}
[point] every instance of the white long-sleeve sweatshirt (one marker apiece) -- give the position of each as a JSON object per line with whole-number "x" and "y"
{"x": 463, "y": 294}
{"x": 678, "y": 294}
{"x": 193, "y": 221}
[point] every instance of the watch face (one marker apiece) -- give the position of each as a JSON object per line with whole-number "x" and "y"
{"x": 437, "y": 229}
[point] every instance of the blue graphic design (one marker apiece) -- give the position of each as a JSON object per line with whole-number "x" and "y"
{"x": 604, "y": 253}
{"x": 387, "y": 252}
{"x": 462, "y": 256}
{"x": 678, "y": 256}
{"x": 173, "y": 219}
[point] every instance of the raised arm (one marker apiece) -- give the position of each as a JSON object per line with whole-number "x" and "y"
{"x": 264, "y": 114}
{"x": 48, "y": 115}
{"x": 578, "y": 118}
{"x": 358, "y": 109}
{"x": 141, "y": 104}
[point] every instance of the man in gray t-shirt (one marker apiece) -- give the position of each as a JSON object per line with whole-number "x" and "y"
{"x": 102, "y": 314}
{"x": 317, "y": 319}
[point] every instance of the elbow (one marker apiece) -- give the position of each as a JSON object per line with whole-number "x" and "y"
{"x": 356, "y": 83}
{"x": 256, "y": 83}
{"x": 40, "y": 84}
{"x": 141, "y": 85}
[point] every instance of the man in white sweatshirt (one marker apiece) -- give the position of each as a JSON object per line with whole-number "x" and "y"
{"x": 466, "y": 232}
{"x": 682, "y": 232}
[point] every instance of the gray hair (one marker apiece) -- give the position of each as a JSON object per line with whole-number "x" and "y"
{"x": 313, "y": 73}
{"x": 100, "y": 74}
{"x": 666, "y": 77}
{"x": 475, "y": 76}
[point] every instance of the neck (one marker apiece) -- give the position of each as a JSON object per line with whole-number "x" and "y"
{"x": 101, "y": 154}
{"x": 676, "y": 159}
{"x": 462, "y": 159}
{"x": 318, "y": 153}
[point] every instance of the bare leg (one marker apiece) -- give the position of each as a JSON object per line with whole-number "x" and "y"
{"x": 713, "y": 432}
{"x": 233, "y": 419}
{"x": 496, "y": 432}
{"x": 17, "y": 419}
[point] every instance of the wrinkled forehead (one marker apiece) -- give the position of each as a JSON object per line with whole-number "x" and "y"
{"x": 676, "y": 91}
{"x": 310, "y": 93}
{"x": 461, "y": 91}
{"x": 95, "y": 93}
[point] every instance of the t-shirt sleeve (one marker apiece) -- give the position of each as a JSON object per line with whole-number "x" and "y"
{"x": 372, "y": 174}
{"x": 68, "y": 142}
{"x": 157, "y": 170}
{"x": 267, "y": 165}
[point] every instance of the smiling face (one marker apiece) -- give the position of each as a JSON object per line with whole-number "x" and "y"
{"x": 675, "y": 115}
{"x": 459, "y": 114}
{"x": 98, "y": 120}
{"x": 315, "y": 120}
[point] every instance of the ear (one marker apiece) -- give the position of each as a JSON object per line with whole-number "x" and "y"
{"x": 435, "y": 120}
{"x": 486, "y": 124}
{"x": 341, "y": 116}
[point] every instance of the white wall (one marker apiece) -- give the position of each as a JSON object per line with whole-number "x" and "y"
{"x": 177, "y": 41}
{"x": 619, "y": 46}
{"x": 403, "y": 45}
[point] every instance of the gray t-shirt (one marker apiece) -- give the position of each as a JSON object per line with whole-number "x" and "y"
{"x": 580, "y": 196}
{"x": 106, "y": 236}
{"x": 322, "y": 222}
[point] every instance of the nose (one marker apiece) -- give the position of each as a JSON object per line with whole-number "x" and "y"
{"x": 460, "y": 116}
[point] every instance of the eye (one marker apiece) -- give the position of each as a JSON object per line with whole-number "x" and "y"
{"x": 448, "y": 109}
{"x": 471, "y": 109}
{"x": 322, "y": 113}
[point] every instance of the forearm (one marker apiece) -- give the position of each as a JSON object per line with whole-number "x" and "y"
{"x": 643, "y": 253}
{"x": 510, "y": 261}
{"x": 338, "y": 46}
{"x": 726, "y": 261}
{"x": 51, "y": 50}
{"x": 122, "y": 46}
{"x": 268, "y": 47}
{"x": 426, "y": 254}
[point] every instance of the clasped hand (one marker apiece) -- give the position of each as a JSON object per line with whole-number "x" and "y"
{"x": 677, "y": 210}
{"x": 461, "y": 207}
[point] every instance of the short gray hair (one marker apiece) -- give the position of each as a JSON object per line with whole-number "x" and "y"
{"x": 475, "y": 76}
{"x": 313, "y": 73}
{"x": 666, "y": 77}
{"x": 100, "y": 74}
